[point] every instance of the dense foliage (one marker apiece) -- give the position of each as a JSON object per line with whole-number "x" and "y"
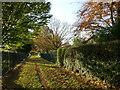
{"x": 10, "y": 60}
{"x": 19, "y": 18}
{"x": 47, "y": 40}
{"x": 99, "y": 61}
{"x": 53, "y": 36}
{"x": 101, "y": 19}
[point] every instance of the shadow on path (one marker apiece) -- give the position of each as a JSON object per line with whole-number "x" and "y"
{"x": 9, "y": 78}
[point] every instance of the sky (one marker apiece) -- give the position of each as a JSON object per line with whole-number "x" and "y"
{"x": 65, "y": 10}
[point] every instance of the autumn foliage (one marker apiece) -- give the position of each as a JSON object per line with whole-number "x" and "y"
{"x": 94, "y": 16}
{"x": 47, "y": 40}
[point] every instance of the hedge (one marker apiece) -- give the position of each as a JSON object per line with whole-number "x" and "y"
{"x": 49, "y": 56}
{"x": 10, "y": 60}
{"x": 98, "y": 61}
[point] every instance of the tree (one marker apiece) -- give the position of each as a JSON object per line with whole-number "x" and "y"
{"x": 62, "y": 29}
{"x": 53, "y": 36}
{"x": 19, "y": 18}
{"x": 47, "y": 40}
{"x": 78, "y": 41}
{"x": 116, "y": 28}
{"x": 99, "y": 19}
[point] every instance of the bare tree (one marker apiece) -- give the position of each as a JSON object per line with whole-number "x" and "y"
{"x": 62, "y": 29}
{"x": 53, "y": 36}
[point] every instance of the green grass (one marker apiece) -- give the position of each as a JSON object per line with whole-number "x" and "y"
{"x": 34, "y": 57}
{"x": 27, "y": 77}
{"x": 56, "y": 78}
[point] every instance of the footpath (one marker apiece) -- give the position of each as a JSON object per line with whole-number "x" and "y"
{"x": 37, "y": 74}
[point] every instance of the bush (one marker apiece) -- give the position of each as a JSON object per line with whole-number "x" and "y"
{"x": 98, "y": 61}
{"x": 60, "y": 56}
{"x": 49, "y": 56}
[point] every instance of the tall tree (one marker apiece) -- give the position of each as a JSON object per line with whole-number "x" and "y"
{"x": 20, "y": 17}
{"x": 99, "y": 18}
{"x": 47, "y": 40}
{"x": 53, "y": 36}
{"x": 62, "y": 29}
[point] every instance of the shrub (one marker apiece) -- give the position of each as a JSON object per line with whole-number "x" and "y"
{"x": 99, "y": 61}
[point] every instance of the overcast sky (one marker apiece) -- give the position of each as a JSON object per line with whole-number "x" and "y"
{"x": 65, "y": 10}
